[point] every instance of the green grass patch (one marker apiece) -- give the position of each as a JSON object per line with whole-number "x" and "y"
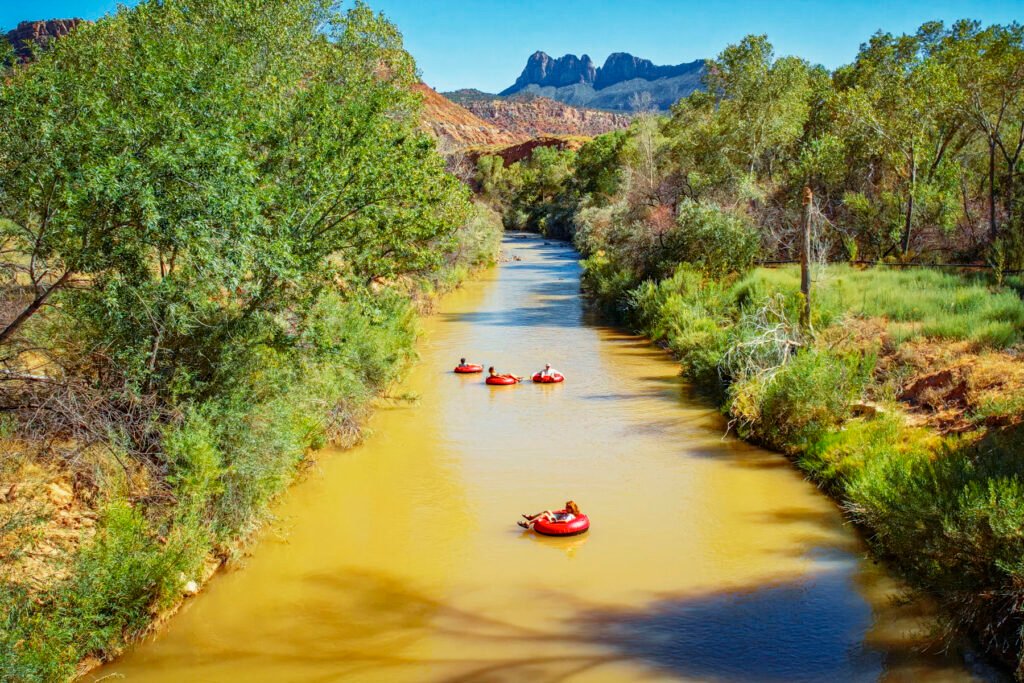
{"x": 917, "y": 302}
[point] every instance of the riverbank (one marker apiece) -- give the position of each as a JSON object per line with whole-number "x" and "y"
{"x": 92, "y": 565}
{"x": 189, "y": 310}
{"x": 901, "y": 401}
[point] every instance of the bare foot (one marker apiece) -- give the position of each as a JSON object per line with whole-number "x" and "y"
{"x": 523, "y": 524}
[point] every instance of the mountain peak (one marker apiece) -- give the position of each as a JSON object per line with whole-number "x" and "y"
{"x": 543, "y": 70}
{"x": 576, "y": 81}
{"x": 622, "y": 66}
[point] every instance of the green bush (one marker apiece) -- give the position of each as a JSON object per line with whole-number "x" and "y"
{"x": 692, "y": 315}
{"x": 606, "y": 281}
{"x": 715, "y": 241}
{"x": 800, "y": 403}
{"x": 115, "y": 585}
{"x": 955, "y": 521}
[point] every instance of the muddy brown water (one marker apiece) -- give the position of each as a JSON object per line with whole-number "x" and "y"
{"x": 400, "y": 560}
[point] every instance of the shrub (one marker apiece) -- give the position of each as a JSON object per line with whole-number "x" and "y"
{"x": 715, "y": 241}
{"x": 692, "y": 315}
{"x": 801, "y": 402}
{"x": 606, "y": 281}
{"x": 955, "y": 521}
{"x": 111, "y": 591}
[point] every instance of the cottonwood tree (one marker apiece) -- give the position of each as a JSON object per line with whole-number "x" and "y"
{"x": 762, "y": 102}
{"x": 895, "y": 106}
{"x": 204, "y": 168}
{"x": 744, "y": 127}
{"x": 987, "y": 65}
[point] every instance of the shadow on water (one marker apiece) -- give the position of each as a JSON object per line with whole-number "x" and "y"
{"x": 807, "y": 630}
{"x": 550, "y": 314}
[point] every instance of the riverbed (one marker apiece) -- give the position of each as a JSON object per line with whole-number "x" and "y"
{"x": 400, "y": 560}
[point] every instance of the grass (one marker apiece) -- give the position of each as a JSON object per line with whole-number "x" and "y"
{"x": 916, "y": 302}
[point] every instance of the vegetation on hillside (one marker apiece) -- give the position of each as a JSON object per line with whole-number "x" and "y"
{"x": 901, "y": 394}
{"x": 216, "y": 221}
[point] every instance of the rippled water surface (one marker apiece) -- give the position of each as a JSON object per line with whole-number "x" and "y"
{"x": 708, "y": 559}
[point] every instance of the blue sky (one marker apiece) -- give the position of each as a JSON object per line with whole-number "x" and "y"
{"x": 484, "y": 43}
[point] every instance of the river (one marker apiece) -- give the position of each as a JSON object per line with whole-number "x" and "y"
{"x": 400, "y": 560}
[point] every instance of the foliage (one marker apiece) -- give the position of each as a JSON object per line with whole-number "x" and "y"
{"x": 716, "y": 242}
{"x": 259, "y": 152}
{"x": 803, "y": 401}
{"x": 111, "y": 592}
{"x": 954, "y": 519}
{"x": 216, "y": 221}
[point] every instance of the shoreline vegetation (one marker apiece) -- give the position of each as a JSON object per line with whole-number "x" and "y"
{"x": 219, "y": 224}
{"x": 219, "y": 220}
{"x": 901, "y": 396}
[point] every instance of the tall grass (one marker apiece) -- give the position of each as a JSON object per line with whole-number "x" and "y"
{"x": 918, "y": 303}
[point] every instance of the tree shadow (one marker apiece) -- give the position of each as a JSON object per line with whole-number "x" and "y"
{"x": 808, "y": 629}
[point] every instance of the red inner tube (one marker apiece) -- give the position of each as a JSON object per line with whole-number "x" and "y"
{"x": 500, "y": 381}
{"x": 552, "y": 379}
{"x": 576, "y": 526}
{"x": 469, "y": 368}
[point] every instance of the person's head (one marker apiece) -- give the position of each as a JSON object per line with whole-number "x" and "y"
{"x": 547, "y": 366}
{"x": 462, "y": 361}
{"x": 571, "y": 506}
{"x": 490, "y": 370}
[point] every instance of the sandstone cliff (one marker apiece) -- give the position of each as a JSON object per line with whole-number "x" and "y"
{"x": 29, "y": 34}
{"x": 537, "y": 116}
{"x": 456, "y": 127}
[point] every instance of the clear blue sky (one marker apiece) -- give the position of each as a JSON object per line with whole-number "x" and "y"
{"x": 484, "y": 43}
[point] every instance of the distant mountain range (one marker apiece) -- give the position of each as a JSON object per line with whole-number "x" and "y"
{"x": 617, "y": 86}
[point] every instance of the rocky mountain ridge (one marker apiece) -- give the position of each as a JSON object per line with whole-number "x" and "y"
{"x": 619, "y": 85}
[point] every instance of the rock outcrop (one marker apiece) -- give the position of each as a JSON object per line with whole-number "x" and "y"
{"x": 622, "y": 66}
{"x": 457, "y": 127}
{"x": 30, "y": 34}
{"x": 544, "y": 70}
{"x": 540, "y": 116}
{"x": 614, "y": 86}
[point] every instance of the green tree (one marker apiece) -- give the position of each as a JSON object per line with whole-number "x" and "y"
{"x": 598, "y": 170}
{"x": 763, "y": 102}
{"x": 988, "y": 69}
{"x": 201, "y": 169}
{"x": 895, "y": 103}
{"x": 746, "y": 126}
